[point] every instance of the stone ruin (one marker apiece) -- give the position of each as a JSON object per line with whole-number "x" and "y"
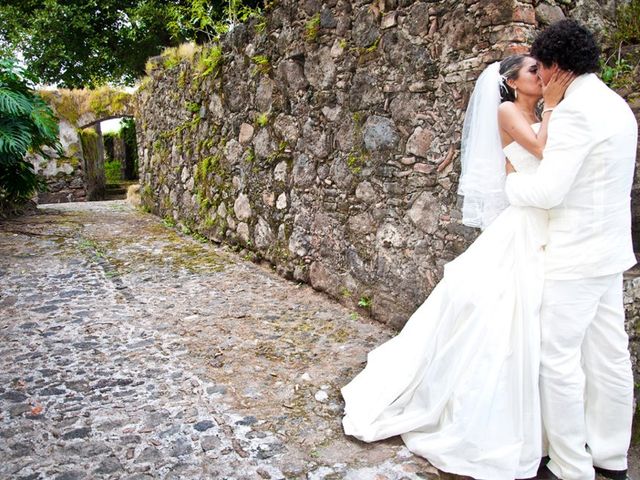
{"x": 78, "y": 174}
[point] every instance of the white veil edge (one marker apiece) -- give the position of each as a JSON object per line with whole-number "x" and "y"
{"x": 482, "y": 181}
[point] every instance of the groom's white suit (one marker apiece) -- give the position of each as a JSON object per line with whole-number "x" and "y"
{"x": 585, "y": 182}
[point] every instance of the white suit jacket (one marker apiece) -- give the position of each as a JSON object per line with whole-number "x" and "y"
{"x": 585, "y": 180}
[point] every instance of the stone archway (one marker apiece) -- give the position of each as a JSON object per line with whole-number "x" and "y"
{"x": 78, "y": 174}
{"x": 93, "y": 149}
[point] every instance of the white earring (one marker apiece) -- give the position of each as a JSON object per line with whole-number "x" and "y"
{"x": 515, "y": 93}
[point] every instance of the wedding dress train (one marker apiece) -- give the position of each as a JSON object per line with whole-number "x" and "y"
{"x": 460, "y": 381}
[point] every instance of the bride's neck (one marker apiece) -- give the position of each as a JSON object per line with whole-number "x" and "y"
{"x": 527, "y": 105}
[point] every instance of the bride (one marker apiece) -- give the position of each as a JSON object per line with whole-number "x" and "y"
{"x": 459, "y": 383}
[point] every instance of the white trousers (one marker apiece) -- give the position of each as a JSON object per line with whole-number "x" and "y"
{"x": 586, "y": 382}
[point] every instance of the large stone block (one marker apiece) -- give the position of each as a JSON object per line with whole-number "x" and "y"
{"x": 419, "y": 142}
{"x": 304, "y": 171}
{"x": 380, "y": 133}
{"x": 320, "y": 69}
{"x": 242, "y": 208}
{"x": 292, "y": 74}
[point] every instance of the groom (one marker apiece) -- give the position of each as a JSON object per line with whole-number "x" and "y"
{"x": 584, "y": 181}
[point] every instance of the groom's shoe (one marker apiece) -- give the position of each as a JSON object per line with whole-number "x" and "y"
{"x": 612, "y": 474}
{"x": 545, "y": 474}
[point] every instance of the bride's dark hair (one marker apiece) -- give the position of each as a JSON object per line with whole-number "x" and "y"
{"x": 509, "y": 69}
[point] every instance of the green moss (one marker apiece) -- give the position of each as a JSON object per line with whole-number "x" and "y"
{"x": 208, "y": 223}
{"x": 365, "y": 301}
{"x": 144, "y": 83}
{"x": 356, "y": 160}
{"x": 206, "y": 166}
{"x": 373, "y": 47}
{"x": 261, "y": 24}
{"x": 312, "y": 28}
{"x": 262, "y": 120}
{"x": 205, "y": 144}
{"x": 166, "y": 204}
{"x": 182, "y": 79}
{"x": 189, "y": 124}
{"x": 68, "y": 108}
{"x": 250, "y": 155}
{"x": 345, "y": 292}
{"x": 278, "y": 154}
{"x": 146, "y": 193}
{"x": 89, "y": 141}
{"x": 262, "y": 64}
{"x": 105, "y": 101}
{"x": 627, "y": 25}
{"x": 192, "y": 107}
{"x": 210, "y": 62}
{"x": 174, "y": 56}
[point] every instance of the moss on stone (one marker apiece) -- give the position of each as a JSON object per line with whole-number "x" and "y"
{"x": 356, "y": 160}
{"x": 209, "y": 62}
{"x": 312, "y": 28}
{"x": 106, "y": 101}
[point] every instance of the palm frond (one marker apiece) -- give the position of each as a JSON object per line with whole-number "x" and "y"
{"x": 45, "y": 122}
{"x": 14, "y": 103}
{"x": 15, "y": 137}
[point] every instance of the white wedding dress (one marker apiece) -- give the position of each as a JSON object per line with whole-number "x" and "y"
{"x": 460, "y": 381}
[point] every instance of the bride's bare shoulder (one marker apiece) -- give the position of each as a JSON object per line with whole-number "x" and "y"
{"x": 507, "y": 109}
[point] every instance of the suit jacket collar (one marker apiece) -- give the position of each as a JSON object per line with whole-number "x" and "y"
{"x": 579, "y": 82}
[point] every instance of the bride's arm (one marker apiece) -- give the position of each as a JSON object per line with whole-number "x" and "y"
{"x": 515, "y": 126}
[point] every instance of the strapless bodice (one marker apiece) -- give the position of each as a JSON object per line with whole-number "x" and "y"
{"x": 521, "y": 159}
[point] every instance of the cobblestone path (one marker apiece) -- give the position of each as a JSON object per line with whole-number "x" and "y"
{"x": 128, "y": 350}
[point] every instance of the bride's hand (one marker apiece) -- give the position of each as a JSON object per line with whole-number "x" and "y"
{"x": 554, "y": 90}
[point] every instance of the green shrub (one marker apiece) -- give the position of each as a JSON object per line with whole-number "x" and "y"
{"x": 27, "y": 124}
{"x": 113, "y": 171}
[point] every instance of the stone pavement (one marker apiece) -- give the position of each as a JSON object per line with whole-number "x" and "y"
{"x": 128, "y": 350}
{"x": 131, "y": 351}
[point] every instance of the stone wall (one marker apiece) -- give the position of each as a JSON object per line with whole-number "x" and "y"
{"x": 327, "y": 141}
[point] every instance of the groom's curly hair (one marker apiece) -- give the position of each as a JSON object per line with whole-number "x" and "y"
{"x": 568, "y": 44}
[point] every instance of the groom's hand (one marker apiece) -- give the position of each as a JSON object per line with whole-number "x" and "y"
{"x": 509, "y": 168}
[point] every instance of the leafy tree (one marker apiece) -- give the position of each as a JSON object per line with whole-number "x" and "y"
{"x": 77, "y": 43}
{"x": 27, "y": 125}
{"x": 85, "y": 43}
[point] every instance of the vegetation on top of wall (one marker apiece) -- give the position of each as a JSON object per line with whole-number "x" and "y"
{"x": 71, "y": 105}
{"x": 174, "y": 56}
{"x": 106, "y": 101}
